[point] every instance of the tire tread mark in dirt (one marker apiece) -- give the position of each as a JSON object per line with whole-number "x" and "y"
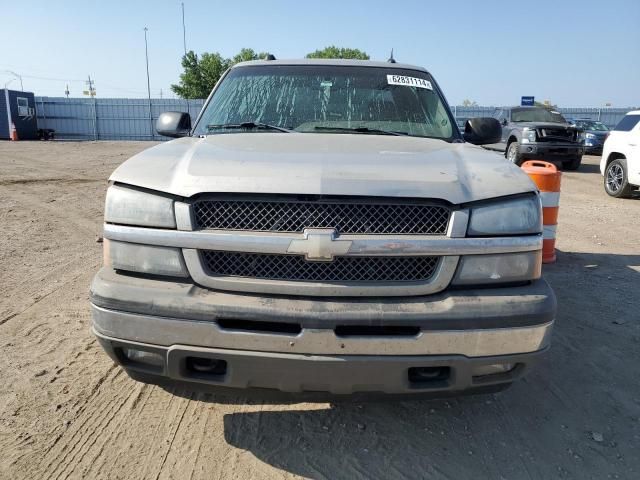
{"x": 78, "y": 428}
{"x": 203, "y": 432}
{"x": 15, "y": 314}
{"x": 116, "y": 430}
{"x": 80, "y": 436}
{"x": 516, "y": 430}
{"x": 109, "y": 462}
{"x": 156, "y": 431}
{"x": 64, "y": 268}
{"x": 62, "y": 214}
{"x": 93, "y": 434}
{"x": 173, "y": 435}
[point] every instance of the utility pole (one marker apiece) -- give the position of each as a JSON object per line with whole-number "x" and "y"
{"x": 146, "y": 54}
{"x": 184, "y": 31}
{"x": 184, "y": 44}
{"x": 8, "y": 104}
{"x": 66, "y": 91}
{"x": 92, "y": 91}
{"x": 161, "y": 93}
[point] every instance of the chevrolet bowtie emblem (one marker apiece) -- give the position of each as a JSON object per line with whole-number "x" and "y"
{"x": 320, "y": 245}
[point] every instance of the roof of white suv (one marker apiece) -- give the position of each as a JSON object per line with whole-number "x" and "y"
{"x": 333, "y": 62}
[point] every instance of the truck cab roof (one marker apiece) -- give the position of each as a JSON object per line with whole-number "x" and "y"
{"x": 332, "y": 62}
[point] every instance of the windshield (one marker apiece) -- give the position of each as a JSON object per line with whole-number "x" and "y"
{"x": 536, "y": 115}
{"x": 591, "y": 125}
{"x": 328, "y": 99}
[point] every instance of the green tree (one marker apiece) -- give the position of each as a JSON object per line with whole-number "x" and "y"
{"x": 202, "y": 73}
{"x": 469, "y": 103}
{"x": 335, "y": 52}
{"x": 546, "y": 104}
{"x": 247, "y": 54}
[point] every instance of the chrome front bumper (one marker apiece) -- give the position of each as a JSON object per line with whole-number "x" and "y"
{"x": 458, "y": 330}
{"x": 163, "y": 331}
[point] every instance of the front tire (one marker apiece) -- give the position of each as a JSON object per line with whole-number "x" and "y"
{"x": 513, "y": 153}
{"x": 572, "y": 164}
{"x": 616, "y": 182}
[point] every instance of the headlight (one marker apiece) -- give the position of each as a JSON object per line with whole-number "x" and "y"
{"x": 512, "y": 217}
{"x": 502, "y": 268}
{"x": 528, "y": 135}
{"x": 132, "y": 257}
{"x": 133, "y": 207}
{"x": 589, "y": 135}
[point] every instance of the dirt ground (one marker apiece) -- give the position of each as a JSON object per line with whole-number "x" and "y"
{"x": 67, "y": 412}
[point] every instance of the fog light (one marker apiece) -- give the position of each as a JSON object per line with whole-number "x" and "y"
{"x": 143, "y": 357}
{"x": 483, "y": 370}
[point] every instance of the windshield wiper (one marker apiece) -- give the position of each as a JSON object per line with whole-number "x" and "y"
{"x": 362, "y": 130}
{"x": 247, "y": 126}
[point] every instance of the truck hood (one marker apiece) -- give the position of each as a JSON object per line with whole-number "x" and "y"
{"x": 324, "y": 164}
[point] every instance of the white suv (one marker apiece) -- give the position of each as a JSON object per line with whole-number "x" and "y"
{"x": 620, "y": 163}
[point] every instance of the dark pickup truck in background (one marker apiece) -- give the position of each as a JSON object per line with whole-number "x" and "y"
{"x": 595, "y": 133}
{"x": 538, "y": 133}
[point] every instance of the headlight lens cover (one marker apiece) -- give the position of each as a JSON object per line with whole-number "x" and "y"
{"x": 133, "y": 257}
{"x": 589, "y": 135}
{"x": 528, "y": 135}
{"x": 133, "y": 207}
{"x": 502, "y": 268}
{"x": 521, "y": 216}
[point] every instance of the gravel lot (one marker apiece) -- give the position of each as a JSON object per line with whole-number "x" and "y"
{"x": 67, "y": 412}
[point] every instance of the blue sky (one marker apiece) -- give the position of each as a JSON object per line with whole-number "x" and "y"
{"x": 574, "y": 53}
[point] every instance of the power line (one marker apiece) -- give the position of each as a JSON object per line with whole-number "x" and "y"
{"x": 78, "y": 80}
{"x": 54, "y": 79}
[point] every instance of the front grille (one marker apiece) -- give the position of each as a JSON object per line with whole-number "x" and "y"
{"x": 565, "y": 134}
{"x": 341, "y": 269}
{"x": 345, "y": 217}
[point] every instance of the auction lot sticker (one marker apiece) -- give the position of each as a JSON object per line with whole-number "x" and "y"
{"x": 408, "y": 81}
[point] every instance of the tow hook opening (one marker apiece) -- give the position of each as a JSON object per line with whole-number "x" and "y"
{"x": 429, "y": 377}
{"x": 209, "y": 367}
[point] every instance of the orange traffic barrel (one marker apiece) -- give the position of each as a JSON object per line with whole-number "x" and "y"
{"x": 547, "y": 177}
{"x": 14, "y": 132}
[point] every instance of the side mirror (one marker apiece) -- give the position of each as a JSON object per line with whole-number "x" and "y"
{"x": 174, "y": 124}
{"x": 482, "y": 131}
{"x": 504, "y": 122}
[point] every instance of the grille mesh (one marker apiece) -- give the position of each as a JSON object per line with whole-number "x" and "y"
{"x": 562, "y": 133}
{"x": 296, "y": 268}
{"x": 346, "y": 217}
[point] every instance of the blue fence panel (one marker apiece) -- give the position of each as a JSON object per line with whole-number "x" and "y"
{"x": 108, "y": 118}
{"x": 129, "y": 119}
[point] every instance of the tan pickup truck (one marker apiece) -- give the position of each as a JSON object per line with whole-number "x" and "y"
{"x": 324, "y": 226}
